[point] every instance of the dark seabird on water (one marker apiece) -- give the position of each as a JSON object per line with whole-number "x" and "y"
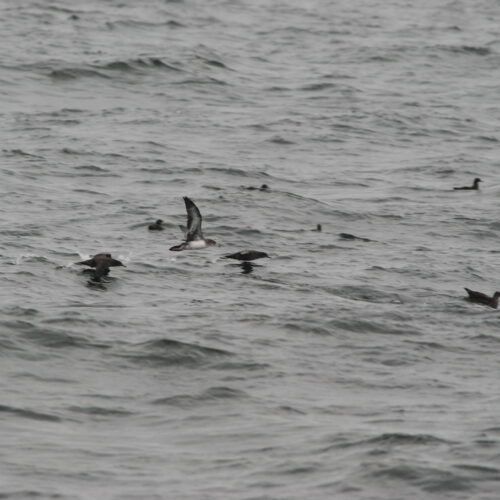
{"x": 263, "y": 187}
{"x": 474, "y": 186}
{"x": 102, "y": 262}
{"x": 349, "y": 236}
{"x": 247, "y": 255}
{"x": 157, "y": 226}
{"x": 482, "y": 298}
{"x": 194, "y": 236}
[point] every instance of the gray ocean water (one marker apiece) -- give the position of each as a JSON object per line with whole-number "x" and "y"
{"x": 347, "y": 366}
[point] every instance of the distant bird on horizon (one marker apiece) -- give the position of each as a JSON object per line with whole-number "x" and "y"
{"x": 157, "y": 226}
{"x": 475, "y": 185}
{"x": 194, "y": 236}
{"x": 102, "y": 262}
{"x": 247, "y": 255}
{"x": 482, "y": 298}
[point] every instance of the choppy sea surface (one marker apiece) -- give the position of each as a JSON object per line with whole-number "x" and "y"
{"x": 347, "y": 366}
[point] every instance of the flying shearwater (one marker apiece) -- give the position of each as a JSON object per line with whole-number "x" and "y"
{"x": 102, "y": 262}
{"x": 194, "y": 236}
{"x": 482, "y": 298}
{"x": 474, "y": 186}
{"x": 247, "y": 255}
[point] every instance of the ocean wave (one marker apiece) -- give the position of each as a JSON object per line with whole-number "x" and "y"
{"x": 172, "y": 352}
{"x": 27, "y": 413}
{"x": 20, "y": 152}
{"x": 27, "y": 231}
{"x": 30, "y": 257}
{"x": 314, "y": 87}
{"x": 23, "y": 494}
{"x": 387, "y": 440}
{"x": 366, "y": 294}
{"x": 139, "y": 64}
{"x": 428, "y": 479}
{"x": 370, "y": 326}
{"x": 399, "y": 438}
{"x": 98, "y": 411}
{"x": 207, "y": 80}
{"x": 212, "y": 62}
{"x": 74, "y": 73}
{"x": 135, "y": 23}
{"x": 277, "y": 139}
{"x": 468, "y": 49}
{"x": 92, "y": 168}
{"x": 21, "y": 311}
{"x": 213, "y": 394}
{"x": 81, "y": 152}
{"x": 107, "y": 70}
{"x": 231, "y": 171}
{"x": 48, "y": 337}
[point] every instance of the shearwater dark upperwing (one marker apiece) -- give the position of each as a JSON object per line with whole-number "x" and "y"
{"x": 194, "y": 234}
{"x": 102, "y": 262}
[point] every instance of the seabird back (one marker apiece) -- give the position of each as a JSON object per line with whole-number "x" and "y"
{"x": 247, "y": 255}
{"x": 482, "y": 298}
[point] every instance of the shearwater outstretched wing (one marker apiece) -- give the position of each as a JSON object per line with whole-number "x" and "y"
{"x": 193, "y": 221}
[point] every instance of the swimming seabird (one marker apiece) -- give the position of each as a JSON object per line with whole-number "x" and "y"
{"x": 157, "y": 226}
{"x": 263, "y": 187}
{"x": 247, "y": 255}
{"x": 474, "y": 186}
{"x": 482, "y": 298}
{"x": 102, "y": 262}
{"x": 194, "y": 236}
{"x": 349, "y": 236}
